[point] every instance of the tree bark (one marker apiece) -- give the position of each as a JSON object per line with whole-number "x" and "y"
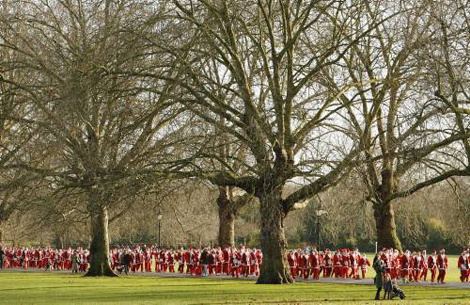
{"x": 274, "y": 268}
{"x": 226, "y": 221}
{"x": 99, "y": 248}
{"x": 385, "y": 225}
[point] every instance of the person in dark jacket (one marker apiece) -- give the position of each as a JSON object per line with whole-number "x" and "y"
{"x": 127, "y": 261}
{"x": 379, "y": 267}
{"x": 205, "y": 261}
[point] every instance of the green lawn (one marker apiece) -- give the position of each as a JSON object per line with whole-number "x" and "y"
{"x": 50, "y": 288}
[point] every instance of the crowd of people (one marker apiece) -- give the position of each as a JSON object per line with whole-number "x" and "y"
{"x": 417, "y": 266}
{"x": 242, "y": 261}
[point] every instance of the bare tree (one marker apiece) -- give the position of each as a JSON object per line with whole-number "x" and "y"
{"x": 268, "y": 56}
{"x": 101, "y": 133}
{"x": 410, "y": 139}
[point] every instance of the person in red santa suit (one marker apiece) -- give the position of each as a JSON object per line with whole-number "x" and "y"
{"x": 254, "y": 267}
{"x": 245, "y": 263}
{"x": 213, "y": 258}
{"x": 346, "y": 263}
{"x": 328, "y": 262}
{"x": 432, "y": 265}
{"x": 179, "y": 260}
{"x": 315, "y": 263}
{"x": 186, "y": 261}
{"x": 417, "y": 266}
{"x": 140, "y": 260}
{"x": 163, "y": 261}
{"x": 404, "y": 265}
{"x": 61, "y": 259}
{"x": 226, "y": 260}
{"x": 197, "y": 261}
{"x": 300, "y": 263}
{"x": 259, "y": 258}
{"x": 337, "y": 264}
{"x": 148, "y": 259}
{"x": 386, "y": 257}
{"x": 424, "y": 270}
{"x": 395, "y": 264}
{"x": 292, "y": 265}
{"x": 462, "y": 265}
{"x": 235, "y": 262}
{"x": 364, "y": 263}
{"x": 26, "y": 258}
{"x": 305, "y": 265}
{"x": 442, "y": 265}
{"x": 354, "y": 260}
{"x": 412, "y": 263}
{"x": 170, "y": 258}
{"x": 219, "y": 261}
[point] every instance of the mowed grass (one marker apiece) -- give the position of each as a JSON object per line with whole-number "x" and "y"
{"x": 60, "y": 288}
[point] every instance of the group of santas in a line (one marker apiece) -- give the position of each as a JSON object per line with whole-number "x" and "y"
{"x": 241, "y": 261}
{"x": 416, "y": 266}
{"x": 194, "y": 261}
{"x": 76, "y": 260}
{"x": 344, "y": 263}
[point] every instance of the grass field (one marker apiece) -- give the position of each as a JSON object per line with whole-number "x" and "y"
{"x": 60, "y": 288}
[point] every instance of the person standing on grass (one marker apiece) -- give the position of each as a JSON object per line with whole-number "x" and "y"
{"x": 127, "y": 261}
{"x": 442, "y": 265}
{"x": 75, "y": 262}
{"x": 462, "y": 264}
{"x": 364, "y": 263}
{"x": 379, "y": 267}
{"x": 432, "y": 265}
{"x": 205, "y": 262}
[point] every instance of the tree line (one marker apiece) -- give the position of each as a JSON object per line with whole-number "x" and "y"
{"x": 106, "y": 102}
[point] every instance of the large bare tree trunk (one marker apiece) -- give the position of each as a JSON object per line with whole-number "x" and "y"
{"x": 385, "y": 225}
{"x": 274, "y": 268}
{"x": 99, "y": 248}
{"x": 226, "y": 221}
{"x": 229, "y": 208}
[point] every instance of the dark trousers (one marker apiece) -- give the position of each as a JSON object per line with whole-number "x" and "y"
{"x": 377, "y": 295}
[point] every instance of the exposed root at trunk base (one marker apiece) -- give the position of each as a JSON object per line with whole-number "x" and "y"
{"x": 106, "y": 271}
{"x": 275, "y": 278}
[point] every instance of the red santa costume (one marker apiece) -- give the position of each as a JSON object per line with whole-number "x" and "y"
{"x": 337, "y": 265}
{"x": 346, "y": 264}
{"x": 462, "y": 264}
{"x": 354, "y": 260}
{"x": 417, "y": 266}
{"x": 404, "y": 265}
{"x": 292, "y": 265}
{"x": 424, "y": 270}
{"x": 170, "y": 258}
{"x": 432, "y": 266}
{"x": 226, "y": 260}
{"x": 442, "y": 265}
{"x": 315, "y": 263}
{"x": 364, "y": 263}
{"x": 327, "y": 270}
{"x": 254, "y": 266}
